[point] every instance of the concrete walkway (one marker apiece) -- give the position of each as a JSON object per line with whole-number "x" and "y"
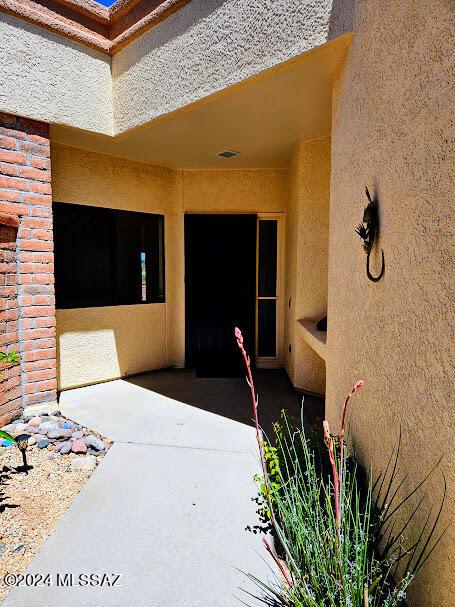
{"x": 166, "y": 508}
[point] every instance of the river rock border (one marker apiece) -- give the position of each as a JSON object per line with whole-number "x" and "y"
{"x": 61, "y": 436}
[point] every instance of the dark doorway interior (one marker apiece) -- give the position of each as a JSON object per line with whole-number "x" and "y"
{"x": 220, "y": 291}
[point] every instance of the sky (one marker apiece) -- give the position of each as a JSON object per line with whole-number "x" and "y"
{"x": 105, "y": 2}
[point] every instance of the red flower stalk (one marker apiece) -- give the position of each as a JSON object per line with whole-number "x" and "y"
{"x": 255, "y": 402}
{"x": 357, "y": 386}
{"x": 329, "y": 444}
{"x": 278, "y": 563}
{"x": 338, "y": 477}
{"x": 254, "y": 398}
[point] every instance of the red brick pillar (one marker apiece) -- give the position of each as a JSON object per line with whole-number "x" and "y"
{"x": 25, "y": 195}
{"x": 10, "y": 389}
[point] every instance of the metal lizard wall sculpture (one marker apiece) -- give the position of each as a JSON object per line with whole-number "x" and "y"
{"x": 368, "y": 230}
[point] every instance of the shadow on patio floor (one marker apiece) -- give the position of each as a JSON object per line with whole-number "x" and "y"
{"x": 230, "y": 397}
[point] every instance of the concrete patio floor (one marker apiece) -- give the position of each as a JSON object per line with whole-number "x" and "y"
{"x": 168, "y": 506}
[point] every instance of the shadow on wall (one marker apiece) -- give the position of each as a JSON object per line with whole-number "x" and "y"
{"x": 99, "y": 344}
{"x": 341, "y": 18}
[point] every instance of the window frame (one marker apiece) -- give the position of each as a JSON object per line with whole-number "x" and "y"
{"x": 156, "y": 224}
{"x": 272, "y": 362}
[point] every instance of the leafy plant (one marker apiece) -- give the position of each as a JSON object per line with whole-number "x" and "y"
{"x": 331, "y": 525}
{"x": 11, "y": 358}
{"x": 7, "y": 436}
{"x": 280, "y": 466}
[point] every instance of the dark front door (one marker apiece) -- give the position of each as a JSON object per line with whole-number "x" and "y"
{"x": 220, "y": 291}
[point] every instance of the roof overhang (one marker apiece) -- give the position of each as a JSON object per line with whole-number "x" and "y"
{"x": 263, "y": 118}
{"x": 98, "y": 27}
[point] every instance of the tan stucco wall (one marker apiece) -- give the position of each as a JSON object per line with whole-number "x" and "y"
{"x": 307, "y": 232}
{"x": 202, "y": 49}
{"x": 393, "y": 104}
{"x": 208, "y": 45}
{"x": 97, "y": 344}
{"x": 238, "y": 191}
{"x": 102, "y": 343}
{"x": 46, "y": 77}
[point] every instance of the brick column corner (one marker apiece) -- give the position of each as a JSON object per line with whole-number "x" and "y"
{"x": 27, "y": 302}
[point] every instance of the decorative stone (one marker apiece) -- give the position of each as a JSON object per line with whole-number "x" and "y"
{"x": 77, "y": 434}
{"x": 44, "y": 414}
{"x": 39, "y": 437}
{"x": 32, "y": 441}
{"x": 31, "y": 429}
{"x": 94, "y": 442}
{"x": 35, "y": 421}
{"x": 9, "y": 428}
{"x": 57, "y": 413}
{"x": 19, "y": 429}
{"x": 79, "y": 446}
{"x": 45, "y": 427}
{"x": 27, "y": 418}
{"x": 59, "y": 433}
{"x": 6, "y": 442}
{"x": 67, "y": 425}
{"x": 43, "y": 444}
{"x": 65, "y": 448}
{"x": 84, "y": 463}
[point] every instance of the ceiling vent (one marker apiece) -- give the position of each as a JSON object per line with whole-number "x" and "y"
{"x": 228, "y": 154}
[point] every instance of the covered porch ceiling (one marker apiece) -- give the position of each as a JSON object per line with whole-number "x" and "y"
{"x": 262, "y": 119}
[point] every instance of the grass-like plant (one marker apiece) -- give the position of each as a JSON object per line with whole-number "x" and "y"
{"x": 341, "y": 537}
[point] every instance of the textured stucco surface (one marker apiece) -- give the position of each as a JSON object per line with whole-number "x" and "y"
{"x": 201, "y": 49}
{"x": 307, "y": 234}
{"x": 238, "y": 191}
{"x": 131, "y": 339}
{"x": 209, "y": 45}
{"x": 392, "y": 112}
{"x": 46, "y": 77}
{"x": 102, "y": 343}
{"x": 96, "y": 344}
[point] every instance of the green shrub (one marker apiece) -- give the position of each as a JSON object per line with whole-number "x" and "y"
{"x": 330, "y": 525}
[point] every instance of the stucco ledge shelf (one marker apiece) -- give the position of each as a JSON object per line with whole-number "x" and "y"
{"x": 317, "y": 340}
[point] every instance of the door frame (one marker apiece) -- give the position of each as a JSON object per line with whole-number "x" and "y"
{"x": 264, "y": 362}
{"x": 273, "y": 362}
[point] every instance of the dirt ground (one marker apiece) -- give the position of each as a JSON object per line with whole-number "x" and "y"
{"x": 31, "y": 505}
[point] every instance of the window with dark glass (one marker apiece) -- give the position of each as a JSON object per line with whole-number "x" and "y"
{"x": 267, "y": 287}
{"x": 105, "y": 257}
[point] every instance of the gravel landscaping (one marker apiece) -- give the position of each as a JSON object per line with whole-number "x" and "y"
{"x": 61, "y": 455}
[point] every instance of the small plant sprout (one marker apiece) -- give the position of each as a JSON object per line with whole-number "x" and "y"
{"x": 8, "y": 360}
